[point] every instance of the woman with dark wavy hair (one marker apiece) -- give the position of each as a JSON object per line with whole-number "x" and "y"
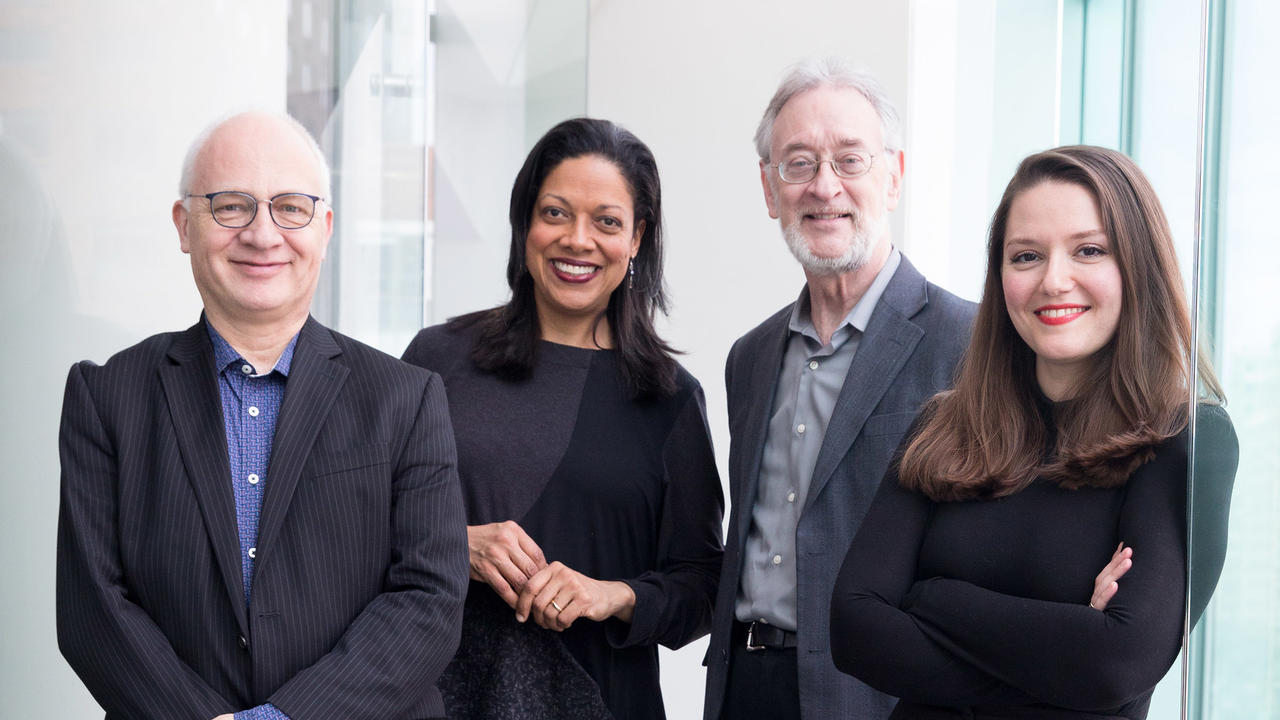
{"x": 972, "y": 588}
{"x": 593, "y": 502}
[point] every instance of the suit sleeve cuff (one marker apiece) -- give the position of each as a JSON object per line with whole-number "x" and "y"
{"x": 261, "y": 712}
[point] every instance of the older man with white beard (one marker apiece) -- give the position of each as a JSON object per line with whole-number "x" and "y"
{"x": 819, "y": 395}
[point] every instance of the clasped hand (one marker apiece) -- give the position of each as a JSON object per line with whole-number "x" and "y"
{"x": 554, "y": 595}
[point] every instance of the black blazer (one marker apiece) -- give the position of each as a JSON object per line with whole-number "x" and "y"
{"x": 914, "y": 339}
{"x": 361, "y": 563}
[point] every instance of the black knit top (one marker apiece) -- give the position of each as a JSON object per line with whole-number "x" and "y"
{"x": 613, "y": 487}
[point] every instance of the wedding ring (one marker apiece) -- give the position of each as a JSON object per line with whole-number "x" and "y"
{"x": 557, "y": 607}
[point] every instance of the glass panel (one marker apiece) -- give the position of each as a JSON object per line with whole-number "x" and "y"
{"x": 1235, "y": 651}
{"x": 358, "y": 78}
{"x": 1103, "y": 73}
{"x": 1166, "y": 115}
{"x": 98, "y": 102}
{"x": 1152, "y": 112}
{"x": 507, "y": 71}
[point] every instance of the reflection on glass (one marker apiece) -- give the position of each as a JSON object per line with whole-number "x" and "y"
{"x": 1139, "y": 93}
{"x": 94, "y": 98}
{"x": 358, "y": 78}
{"x": 1235, "y": 652}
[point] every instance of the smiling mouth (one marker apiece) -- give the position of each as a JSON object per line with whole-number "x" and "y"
{"x": 827, "y": 215}
{"x": 1060, "y": 315}
{"x": 257, "y": 266}
{"x": 574, "y": 270}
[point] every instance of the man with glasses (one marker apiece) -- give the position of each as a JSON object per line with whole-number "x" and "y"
{"x": 259, "y": 515}
{"x": 819, "y": 396}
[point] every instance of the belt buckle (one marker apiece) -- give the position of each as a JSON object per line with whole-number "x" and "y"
{"x": 751, "y": 646}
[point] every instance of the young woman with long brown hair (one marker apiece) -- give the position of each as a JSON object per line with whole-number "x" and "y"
{"x": 972, "y": 588}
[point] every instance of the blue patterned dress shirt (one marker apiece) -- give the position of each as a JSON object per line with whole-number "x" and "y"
{"x": 250, "y": 407}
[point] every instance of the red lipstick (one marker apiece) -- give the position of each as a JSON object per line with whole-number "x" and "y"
{"x": 1059, "y": 314}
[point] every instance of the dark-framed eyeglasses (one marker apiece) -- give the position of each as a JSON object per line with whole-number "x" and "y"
{"x": 802, "y": 167}
{"x": 233, "y": 209}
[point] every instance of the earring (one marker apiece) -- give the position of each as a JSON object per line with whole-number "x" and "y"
{"x": 631, "y": 273}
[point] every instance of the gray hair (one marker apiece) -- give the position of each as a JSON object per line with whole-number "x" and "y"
{"x": 187, "y": 179}
{"x": 829, "y": 72}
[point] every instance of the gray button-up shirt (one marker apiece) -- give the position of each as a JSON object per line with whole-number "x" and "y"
{"x": 809, "y": 383}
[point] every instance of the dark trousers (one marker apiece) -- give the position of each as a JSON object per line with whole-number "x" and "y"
{"x": 762, "y": 684}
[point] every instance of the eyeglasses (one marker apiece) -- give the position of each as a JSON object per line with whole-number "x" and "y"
{"x": 802, "y": 168}
{"x": 234, "y": 210}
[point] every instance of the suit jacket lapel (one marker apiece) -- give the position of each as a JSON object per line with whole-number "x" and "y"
{"x": 885, "y": 346}
{"x": 314, "y": 382}
{"x": 190, "y": 385}
{"x": 764, "y": 383}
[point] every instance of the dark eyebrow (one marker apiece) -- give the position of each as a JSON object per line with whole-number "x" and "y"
{"x": 603, "y": 206}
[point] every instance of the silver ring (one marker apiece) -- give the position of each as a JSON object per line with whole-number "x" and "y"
{"x": 557, "y": 607}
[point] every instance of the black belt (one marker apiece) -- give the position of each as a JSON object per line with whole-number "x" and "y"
{"x": 758, "y": 635}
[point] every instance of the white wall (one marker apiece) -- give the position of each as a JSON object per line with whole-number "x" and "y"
{"x": 1167, "y": 113}
{"x": 98, "y": 102}
{"x": 691, "y": 80}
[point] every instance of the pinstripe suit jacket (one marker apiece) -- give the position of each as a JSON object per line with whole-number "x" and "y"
{"x": 913, "y": 341}
{"x": 361, "y": 566}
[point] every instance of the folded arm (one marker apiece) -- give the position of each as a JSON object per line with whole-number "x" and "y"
{"x": 873, "y": 638}
{"x": 1103, "y": 658}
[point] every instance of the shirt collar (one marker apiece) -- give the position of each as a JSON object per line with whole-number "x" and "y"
{"x": 859, "y": 315}
{"x": 224, "y": 354}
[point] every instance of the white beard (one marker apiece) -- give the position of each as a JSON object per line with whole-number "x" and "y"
{"x": 851, "y": 260}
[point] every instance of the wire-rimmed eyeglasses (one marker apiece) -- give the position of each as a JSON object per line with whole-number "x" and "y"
{"x": 233, "y": 209}
{"x": 802, "y": 167}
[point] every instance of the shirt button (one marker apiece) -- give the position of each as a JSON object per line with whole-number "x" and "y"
{"x": 247, "y": 369}
{"x": 253, "y": 552}
{"x": 791, "y": 496}
{"x": 243, "y": 642}
{"x": 253, "y": 411}
{"x": 777, "y": 559}
{"x": 800, "y": 428}
{"x": 813, "y": 365}
{"x": 253, "y": 479}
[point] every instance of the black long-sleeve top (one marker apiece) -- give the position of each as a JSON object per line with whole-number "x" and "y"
{"x": 614, "y": 487}
{"x": 982, "y": 606}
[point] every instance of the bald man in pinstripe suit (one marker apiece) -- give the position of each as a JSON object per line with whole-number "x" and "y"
{"x": 260, "y": 517}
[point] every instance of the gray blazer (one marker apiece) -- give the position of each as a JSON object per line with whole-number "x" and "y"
{"x": 914, "y": 340}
